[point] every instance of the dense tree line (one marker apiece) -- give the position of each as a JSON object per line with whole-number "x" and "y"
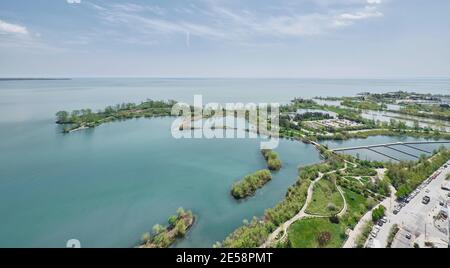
{"x": 273, "y": 161}
{"x": 250, "y": 183}
{"x": 164, "y": 237}
{"x": 406, "y": 176}
{"x": 85, "y": 118}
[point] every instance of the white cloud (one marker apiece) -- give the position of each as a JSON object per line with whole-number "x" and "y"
{"x": 12, "y": 28}
{"x": 346, "y": 19}
{"x": 74, "y": 1}
{"x": 218, "y": 21}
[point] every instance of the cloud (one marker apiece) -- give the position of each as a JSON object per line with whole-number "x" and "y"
{"x": 219, "y": 20}
{"x": 10, "y": 28}
{"x": 347, "y": 19}
{"x": 74, "y": 1}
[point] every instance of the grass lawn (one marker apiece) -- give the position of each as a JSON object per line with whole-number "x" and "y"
{"x": 306, "y": 233}
{"x": 326, "y": 199}
{"x": 356, "y": 207}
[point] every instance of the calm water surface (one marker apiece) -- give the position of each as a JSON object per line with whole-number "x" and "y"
{"x": 108, "y": 186}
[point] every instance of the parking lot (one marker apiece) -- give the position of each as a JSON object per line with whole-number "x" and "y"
{"x": 418, "y": 219}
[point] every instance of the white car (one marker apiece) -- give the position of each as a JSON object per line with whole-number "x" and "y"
{"x": 384, "y": 219}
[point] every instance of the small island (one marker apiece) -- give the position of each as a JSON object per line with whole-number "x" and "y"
{"x": 273, "y": 161}
{"x": 250, "y": 183}
{"x": 164, "y": 237}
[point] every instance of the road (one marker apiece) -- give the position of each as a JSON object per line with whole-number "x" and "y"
{"x": 416, "y": 219}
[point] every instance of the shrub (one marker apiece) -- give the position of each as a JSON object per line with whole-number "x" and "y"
{"x": 323, "y": 238}
{"x": 334, "y": 219}
{"x": 378, "y": 213}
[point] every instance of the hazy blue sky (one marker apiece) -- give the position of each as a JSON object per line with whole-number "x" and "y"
{"x": 229, "y": 38}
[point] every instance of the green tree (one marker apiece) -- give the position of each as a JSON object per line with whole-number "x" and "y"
{"x": 180, "y": 211}
{"x": 145, "y": 237}
{"x": 378, "y": 213}
{"x": 180, "y": 228}
{"x": 172, "y": 220}
{"x": 62, "y": 116}
{"x": 157, "y": 228}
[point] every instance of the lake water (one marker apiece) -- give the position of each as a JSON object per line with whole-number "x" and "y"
{"x": 109, "y": 185}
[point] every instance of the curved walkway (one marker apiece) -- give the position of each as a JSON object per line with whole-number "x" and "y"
{"x": 302, "y": 214}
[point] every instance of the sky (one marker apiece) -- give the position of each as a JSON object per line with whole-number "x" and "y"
{"x": 225, "y": 38}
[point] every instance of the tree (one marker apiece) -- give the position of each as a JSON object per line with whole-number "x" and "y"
{"x": 172, "y": 220}
{"x": 334, "y": 219}
{"x": 145, "y": 237}
{"x": 62, "y": 116}
{"x": 403, "y": 191}
{"x": 157, "y": 229}
{"x": 323, "y": 238}
{"x": 75, "y": 113}
{"x": 180, "y": 211}
{"x": 416, "y": 125}
{"x": 378, "y": 213}
{"x": 180, "y": 228}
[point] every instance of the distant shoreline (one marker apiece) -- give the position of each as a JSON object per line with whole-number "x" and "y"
{"x": 32, "y": 79}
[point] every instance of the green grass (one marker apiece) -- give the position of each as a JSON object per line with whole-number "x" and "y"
{"x": 353, "y": 180}
{"x": 305, "y": 233}
{"x": 365, "y": 180}
{"x": 326, "y": 200}
{"x": 356, "y": 207}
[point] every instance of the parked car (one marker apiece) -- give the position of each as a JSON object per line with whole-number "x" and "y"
{"x": 396, "y": 211}
{"x": 380, "y": 223}
{"x": 384, "y": 219}
{"x": 408, "y": 236}
{"x": 426, "y": 199}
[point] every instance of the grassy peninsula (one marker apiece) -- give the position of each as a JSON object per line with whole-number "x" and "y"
{"x": 164, "y": 237}
{"x": 85, "y": 118}
{"x": 250, "y": 183}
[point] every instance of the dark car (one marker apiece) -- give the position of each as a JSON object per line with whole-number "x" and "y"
{"x": 426, "y": 200}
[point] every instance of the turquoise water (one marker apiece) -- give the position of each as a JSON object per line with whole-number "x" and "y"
{"x": 109, "y": 185}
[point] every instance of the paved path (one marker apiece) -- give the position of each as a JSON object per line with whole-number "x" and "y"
{"x": 302, "y": 214}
